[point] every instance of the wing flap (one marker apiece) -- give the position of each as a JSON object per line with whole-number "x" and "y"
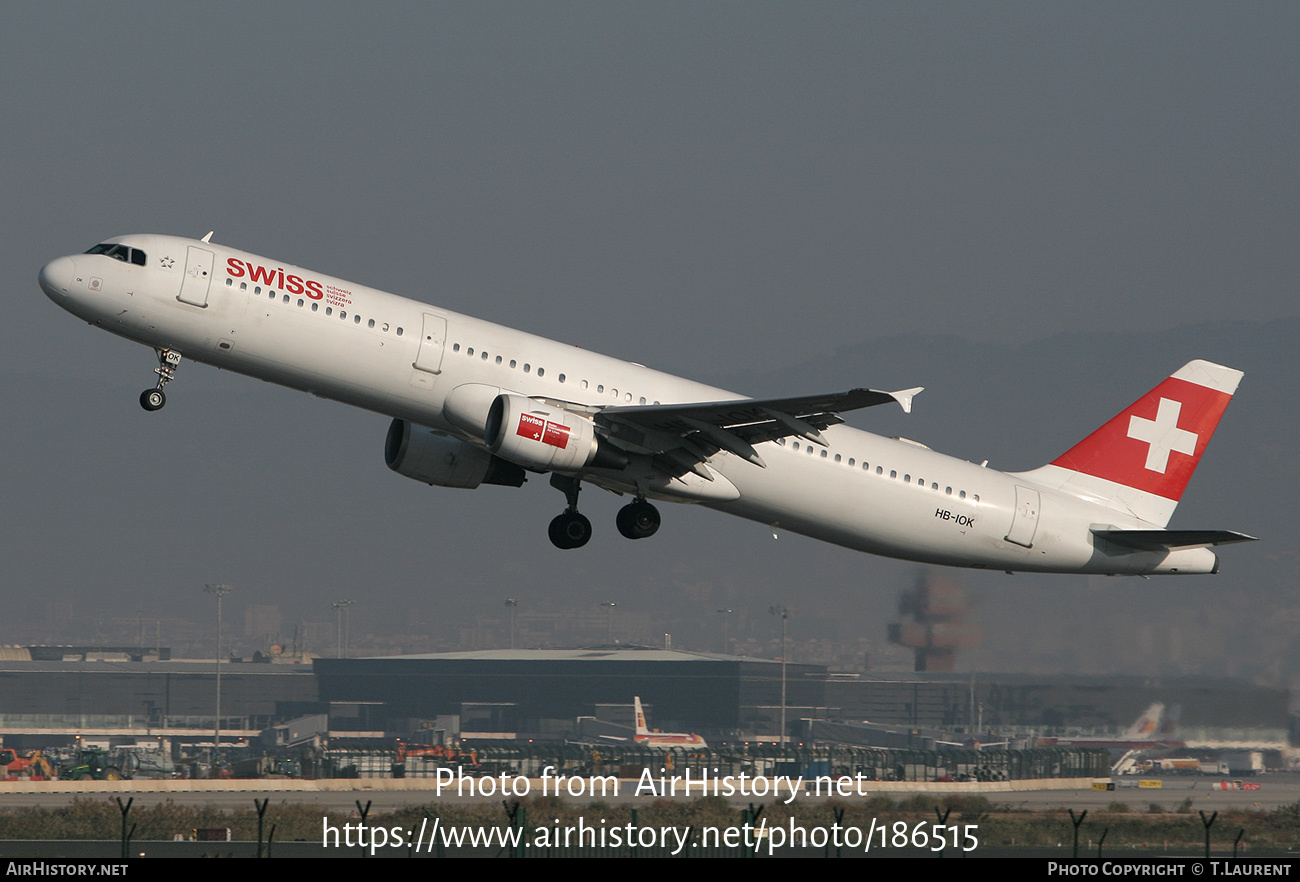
{"x": 738, "y": 425}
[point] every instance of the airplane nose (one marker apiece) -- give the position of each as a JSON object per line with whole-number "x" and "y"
{"x": 56, "y": 277}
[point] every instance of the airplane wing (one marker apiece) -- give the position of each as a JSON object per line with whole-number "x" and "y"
{"x": 688, "y": 434}
{"x": 1171, "y": 540}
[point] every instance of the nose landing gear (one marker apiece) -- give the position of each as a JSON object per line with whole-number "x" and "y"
{"x": 168, "y": 360}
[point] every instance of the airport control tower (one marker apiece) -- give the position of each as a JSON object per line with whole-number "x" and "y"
{"x": 938, "y": 607}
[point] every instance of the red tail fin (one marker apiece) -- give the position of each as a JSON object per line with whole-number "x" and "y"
{"x": 1140, "y": 461}
{"x": 1155, "y": 443}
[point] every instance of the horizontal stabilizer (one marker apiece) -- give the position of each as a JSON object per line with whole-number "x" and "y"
{"x": 1171, "y": 540}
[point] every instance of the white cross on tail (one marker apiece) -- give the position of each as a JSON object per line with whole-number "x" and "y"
{"x": 1163, "y": 435}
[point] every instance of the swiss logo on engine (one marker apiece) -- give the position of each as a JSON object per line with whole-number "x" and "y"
{"x": 531, "y": 427}
{"x": 537, "y": 429}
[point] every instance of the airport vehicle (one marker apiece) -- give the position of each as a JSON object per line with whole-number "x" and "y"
{"x": 32, "y": 764}
{"x": 474, "y": 402}
{"x": 645, "y": 738}
{"x": 91, "y": 764}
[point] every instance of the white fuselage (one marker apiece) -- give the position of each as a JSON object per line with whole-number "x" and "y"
{"x": 403, "y": 358}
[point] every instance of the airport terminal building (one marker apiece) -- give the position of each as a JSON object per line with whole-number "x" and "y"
{"x": 566, "y": 694}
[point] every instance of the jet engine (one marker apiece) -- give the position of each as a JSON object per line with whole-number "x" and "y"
{"x": 435, "y": 458}
{"x": 546, "y": 438}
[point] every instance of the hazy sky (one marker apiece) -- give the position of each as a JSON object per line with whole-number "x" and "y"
{"x": 718, "y": 190}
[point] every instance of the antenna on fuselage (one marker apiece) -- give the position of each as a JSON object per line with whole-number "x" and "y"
{"x": 208, "y": 237}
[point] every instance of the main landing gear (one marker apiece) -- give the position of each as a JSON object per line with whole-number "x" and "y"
{"x": 570, "y": 529}
{"x": 638, "y": 519}
{"x": 168, "y": 361}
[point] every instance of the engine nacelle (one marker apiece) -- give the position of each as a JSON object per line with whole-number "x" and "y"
{"x": 546, "y": 438}
{"x": 467, "y": 406}
{"x": 435, "y": 458}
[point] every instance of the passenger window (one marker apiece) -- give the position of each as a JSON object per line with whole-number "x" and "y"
{"x": 850, "y": 462}
{"x": 498, "y": 359}
{"x": 455, "y": 347}
{"x": 356, "y": 320}
{"x": 837, "y": 457}
{"x": 485, "y": 356}
{"x": 243, "y": 286}
{"x": 879, "y": 470}
{"x": 907, "y": 479}
{"x": 934, "y": 486}
{"x": 369, "y": 324}
{"x": 329, "y": 310}
{"x": 315, "y": 307}
{"x": 541, "y": 372}
{"x": 947, "y": 491}
{"x": 892, "y": 473}
{"x": 230, "y": 282}
{"x": 823, "y": 453}
{"x": 794, "y": 446}
{"x": 300, "y": 303}
{"x": 527, "y": 367}
{"x": 601, "y": 388}
{"x": 512, "y": 364}
{"x": 643, "y": 399}
{"x": 584, "y": 384}
{"x": 286, "y": 298}
{"x": 470, "y": 351}
{"x": 343, "y": 313}
{"x": 399, "y": 332}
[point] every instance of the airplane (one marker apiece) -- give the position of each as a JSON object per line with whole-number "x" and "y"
{"x": 646, "y": 738}
{"x": 1155, "y": 728}
{"x": 473, "y": 402}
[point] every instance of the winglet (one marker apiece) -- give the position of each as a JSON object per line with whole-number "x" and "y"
{"x": 904, "y": 397}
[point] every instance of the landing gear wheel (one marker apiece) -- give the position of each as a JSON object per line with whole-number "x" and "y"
{"x": 152, "y": 399}
{"x": 168, "y": 360}
{"x": 638, "y": 520}
{"x": 570, "y": 530}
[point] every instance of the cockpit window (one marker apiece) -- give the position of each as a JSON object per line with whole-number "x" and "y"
{"x": 124, "y": 253}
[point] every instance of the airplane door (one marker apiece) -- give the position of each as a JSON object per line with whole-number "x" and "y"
{"x": 433, "y": 341}
{"x": 1024, "y": 523}
{"x": 197, "y": 278}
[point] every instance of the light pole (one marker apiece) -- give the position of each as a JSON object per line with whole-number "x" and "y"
{"x": 340, "y": 607}
{"x": 512, "y": 604}
{"x": 726, "y": 620}
{"x": 609, "y": 621}
{"x": 784, "y": 614}
{"x": 221, "y": 591}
